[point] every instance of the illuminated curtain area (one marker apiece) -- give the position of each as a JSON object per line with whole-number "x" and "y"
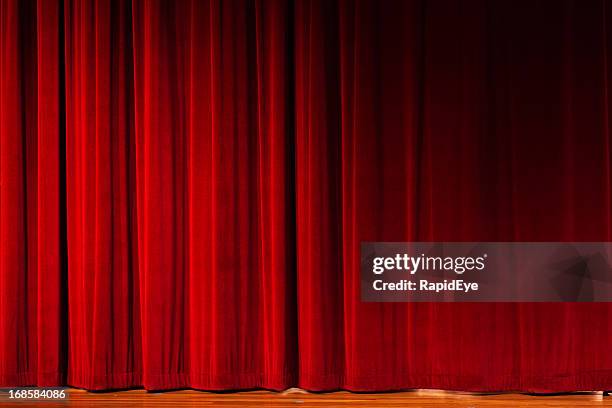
{"x": 184, "y": 187}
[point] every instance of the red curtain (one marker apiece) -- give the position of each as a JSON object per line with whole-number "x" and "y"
{"x": 184, "y": 187}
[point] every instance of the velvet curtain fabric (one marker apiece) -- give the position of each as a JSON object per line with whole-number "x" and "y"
{"x": 184, "y": 187}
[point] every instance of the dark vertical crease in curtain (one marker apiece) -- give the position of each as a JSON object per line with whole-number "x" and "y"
{"x": 184, "y": 187}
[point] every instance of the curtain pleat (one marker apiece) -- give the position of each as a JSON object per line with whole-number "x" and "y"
{"x": 184, "y": 188}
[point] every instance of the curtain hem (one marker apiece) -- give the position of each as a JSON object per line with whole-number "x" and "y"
{"x": 586, "y": 381}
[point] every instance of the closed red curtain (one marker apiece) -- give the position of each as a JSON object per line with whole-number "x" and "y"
{"x": 184, "y": 187}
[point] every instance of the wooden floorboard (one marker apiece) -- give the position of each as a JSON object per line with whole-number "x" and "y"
{"x": 422, "y": 398}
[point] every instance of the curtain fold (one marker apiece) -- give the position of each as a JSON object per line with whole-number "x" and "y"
{"x": 104, "y": 330}
{"x": 32, "y": 199}
{"x": 184, "y": 187}
{"x": 215, "y": 200}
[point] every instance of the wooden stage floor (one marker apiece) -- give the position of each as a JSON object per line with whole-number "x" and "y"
{"x": 422, "y": 398}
